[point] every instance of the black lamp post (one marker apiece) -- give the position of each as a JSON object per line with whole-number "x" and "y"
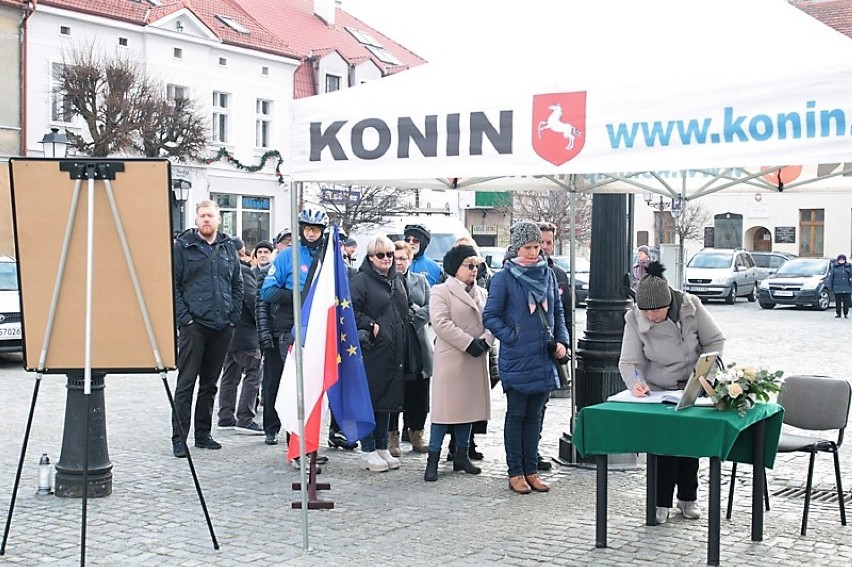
{"x": 181, "y": 189}
{"x": 84, "y": 452}
{"x": 597, "y": 354}
{"x": 54, "y": 144}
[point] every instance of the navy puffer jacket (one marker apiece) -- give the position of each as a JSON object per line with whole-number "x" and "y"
{"x": 524, "y": 362}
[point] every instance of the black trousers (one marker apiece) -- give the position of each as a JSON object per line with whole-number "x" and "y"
{"x": 841, "y": 302}
{"x": 415, "y": 406}
{"x": 201, "y": 352}
{"x": 273, "y": 366}
{"x": 680, "y": 471}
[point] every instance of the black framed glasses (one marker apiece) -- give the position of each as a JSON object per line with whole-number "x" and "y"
{"x": 383, "y": 255}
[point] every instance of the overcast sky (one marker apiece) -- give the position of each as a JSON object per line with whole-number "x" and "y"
{"x": 426, "y": 27}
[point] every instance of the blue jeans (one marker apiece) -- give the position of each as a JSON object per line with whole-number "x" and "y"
{"x": 378, "y": 439}
{"x": 439, "y": 430}
{"x": 521, "y": 431}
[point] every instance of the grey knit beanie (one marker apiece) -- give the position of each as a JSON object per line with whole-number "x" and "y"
{"x": 521, "y": 233}
{"x": 653, "y": 290}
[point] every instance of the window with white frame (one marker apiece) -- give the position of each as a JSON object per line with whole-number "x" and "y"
{"x": 60, "y": 108}
{"x": 332, "y": 83}
{"x": 263, "y": 124}
{"x": 246, "y": 216}
{"x": 176, "y": 92}
{"x": 221, "y": 117}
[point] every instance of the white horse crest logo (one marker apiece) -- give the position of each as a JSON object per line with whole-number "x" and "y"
{"x": 554, "y": 123}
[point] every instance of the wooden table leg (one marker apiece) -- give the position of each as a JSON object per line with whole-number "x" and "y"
{"x": 759, "y": 482}
{"x": 651, "y": 490}
{"x": 600, "y": 501}
{"x": 715, "y": 513}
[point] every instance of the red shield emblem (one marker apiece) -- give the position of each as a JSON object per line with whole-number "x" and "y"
{"x": 559, "y": 125}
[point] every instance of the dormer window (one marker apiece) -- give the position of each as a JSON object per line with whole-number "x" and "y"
{"x": 383, "y": 55}
{"x": 363, "y": 37}
{"x": 233, "y": 24}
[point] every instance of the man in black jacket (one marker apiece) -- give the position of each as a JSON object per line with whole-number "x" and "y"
{"x": 242, "y": 362}
{"x": 548, "y": 236}
{"x": 208, "y": 301}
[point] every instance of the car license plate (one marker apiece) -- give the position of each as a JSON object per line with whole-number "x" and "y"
{"x": 783, "y": 294}
{"x": 10, "y": 332}
{"x": 699, "y": 289}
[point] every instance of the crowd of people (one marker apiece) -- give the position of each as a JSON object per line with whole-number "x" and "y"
{"x": 428, "y": 335}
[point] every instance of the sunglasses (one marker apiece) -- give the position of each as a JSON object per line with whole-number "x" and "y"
{"x": 383, "y": 255}
{"x": 412, "y": 239}
{"x": 471, "y": 266}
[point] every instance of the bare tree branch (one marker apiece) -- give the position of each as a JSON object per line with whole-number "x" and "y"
{"x": 124, "y": 109}
{"x": 362, "y": 208}
{"x": 554, "y": 206}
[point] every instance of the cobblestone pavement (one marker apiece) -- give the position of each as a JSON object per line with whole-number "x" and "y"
{"x": 154, "y": 517}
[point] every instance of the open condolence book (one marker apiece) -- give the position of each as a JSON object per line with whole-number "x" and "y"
{"x": 699, "y": 380}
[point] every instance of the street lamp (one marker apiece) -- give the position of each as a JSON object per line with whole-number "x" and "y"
{"x": 54, "y": 144}
{"x": 181, "y": 188}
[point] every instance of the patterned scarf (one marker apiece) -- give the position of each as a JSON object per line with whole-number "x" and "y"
{"x": 534, "y": 279}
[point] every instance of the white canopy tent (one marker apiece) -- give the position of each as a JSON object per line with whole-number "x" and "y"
{"x": 569, "y": 87}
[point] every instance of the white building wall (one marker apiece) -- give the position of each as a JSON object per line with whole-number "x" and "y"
{"x": 200, "y": 70}
{"x": 770, "y": 209}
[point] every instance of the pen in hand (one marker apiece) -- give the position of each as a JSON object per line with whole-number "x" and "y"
{"x": 640, "y": 388}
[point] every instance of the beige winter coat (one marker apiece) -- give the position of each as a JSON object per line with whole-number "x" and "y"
{"x": 664, "y": 354}
{"x": 461, "y": 392}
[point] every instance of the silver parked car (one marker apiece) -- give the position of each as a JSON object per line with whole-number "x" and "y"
{"x": 721, "y": 273}
{"x": 769, "y": 262}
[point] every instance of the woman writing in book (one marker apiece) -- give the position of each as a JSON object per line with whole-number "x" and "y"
{"x": 664, "y": 334}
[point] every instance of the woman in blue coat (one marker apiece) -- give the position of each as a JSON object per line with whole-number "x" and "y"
{"x": 525, "y": 313}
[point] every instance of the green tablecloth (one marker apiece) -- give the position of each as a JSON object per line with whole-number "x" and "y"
{"x": 622, "y": 427}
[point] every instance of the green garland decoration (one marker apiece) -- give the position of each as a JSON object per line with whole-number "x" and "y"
{"x": 224, "y": 153}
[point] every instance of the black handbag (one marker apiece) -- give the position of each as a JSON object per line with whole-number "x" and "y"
{"x": 560, "y": 363}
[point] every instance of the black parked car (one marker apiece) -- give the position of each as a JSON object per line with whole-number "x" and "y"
{"x": 799, "y": 281}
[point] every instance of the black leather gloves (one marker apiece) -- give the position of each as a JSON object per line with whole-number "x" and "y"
{"x": 477, "y": 347}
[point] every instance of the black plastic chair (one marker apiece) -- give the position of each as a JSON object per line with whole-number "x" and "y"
{"x": 812, "y": 403}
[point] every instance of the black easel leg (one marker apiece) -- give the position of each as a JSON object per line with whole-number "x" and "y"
{"x": 191, "y": 465}
{"x": 20, "y": 464}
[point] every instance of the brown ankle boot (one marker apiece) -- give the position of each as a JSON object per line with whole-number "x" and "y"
{"x": 393, "y": 443}
{"x": 418, "y": 445}
{"x": 519, "y": 484}
{"x": 536, "y": 483}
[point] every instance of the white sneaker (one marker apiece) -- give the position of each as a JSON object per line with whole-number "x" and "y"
{"x": 662, "y": 515}
{"x": 393, "y": 462}
{"x": 373, "y": 462}
{"x": 690, "y": 510}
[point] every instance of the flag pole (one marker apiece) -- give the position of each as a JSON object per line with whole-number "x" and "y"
{"x": 295, "y": 191}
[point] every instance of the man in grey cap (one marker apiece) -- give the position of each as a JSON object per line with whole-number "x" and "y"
{"x": 283, "y": 240}
{"x": 349, "y": 249}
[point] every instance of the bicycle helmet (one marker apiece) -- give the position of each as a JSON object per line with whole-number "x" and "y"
{"x": 422, "y": 234}
{"x": 313, "y": 216}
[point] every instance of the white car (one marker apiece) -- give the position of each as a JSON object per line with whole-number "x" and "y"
{"x": 10, "y": 306}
